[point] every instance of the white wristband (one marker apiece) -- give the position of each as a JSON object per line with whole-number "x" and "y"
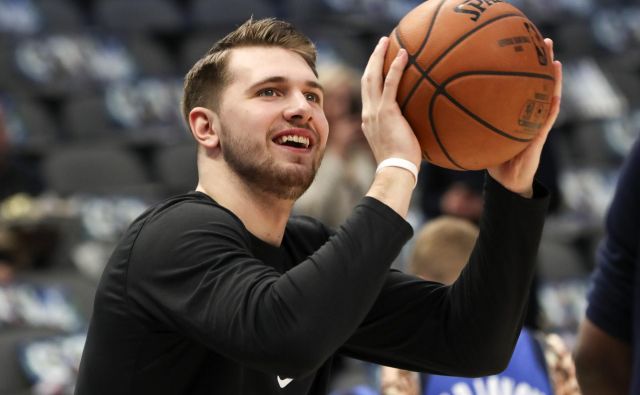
{"x": 402, "y": 163}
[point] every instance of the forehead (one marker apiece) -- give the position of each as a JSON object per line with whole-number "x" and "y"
{"x": 248, "y": 65}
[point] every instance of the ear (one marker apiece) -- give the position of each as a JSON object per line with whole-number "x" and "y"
{"x": 205, "y": 127}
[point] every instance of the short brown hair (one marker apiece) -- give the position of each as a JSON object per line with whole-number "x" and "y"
{"x": 442, "y": 248}
{"x": 209, "y": 75}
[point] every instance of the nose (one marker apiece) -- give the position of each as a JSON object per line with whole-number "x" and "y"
{"x": 298, "y": 109}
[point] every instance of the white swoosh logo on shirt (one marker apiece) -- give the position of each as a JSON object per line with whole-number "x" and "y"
{"x": 283, "y": 382}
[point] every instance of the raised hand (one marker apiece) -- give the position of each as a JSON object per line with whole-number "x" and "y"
{"x": 383, "y": 124}
{"x": 517, "y": 173}
{"x": 387, "y": 131}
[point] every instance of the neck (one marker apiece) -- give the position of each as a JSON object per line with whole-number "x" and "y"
{"x": 263, "y": 214}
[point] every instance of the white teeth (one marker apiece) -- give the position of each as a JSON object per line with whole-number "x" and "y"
{"x": 295, "y": 139}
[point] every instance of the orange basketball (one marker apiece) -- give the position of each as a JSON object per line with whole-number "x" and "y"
{"x": 479, "y": 82}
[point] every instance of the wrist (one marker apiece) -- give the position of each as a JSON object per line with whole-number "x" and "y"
{"x": 526, "y": 190}
{"x": 399, "y": 163}
{"x": 393, "y": 186}
{"x": 528, "y": 193}
{"x": 394, "y": 177}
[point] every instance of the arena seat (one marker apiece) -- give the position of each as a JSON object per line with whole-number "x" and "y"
{"x": 87, "y": 169}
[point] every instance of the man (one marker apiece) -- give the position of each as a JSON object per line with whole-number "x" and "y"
{"x": 218, "y": 291}
{"x": 608, "y": 351}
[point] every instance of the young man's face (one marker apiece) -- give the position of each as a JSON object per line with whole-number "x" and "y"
{"x": 273, "y": 129}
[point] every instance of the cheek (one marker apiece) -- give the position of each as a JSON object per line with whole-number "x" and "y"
{"x": 322, "y": 127}
{"x": 243, "y": 123}
{"x": 258, "y": 118}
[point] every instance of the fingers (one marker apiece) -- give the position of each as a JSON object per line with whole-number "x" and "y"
{"x": 517, "y": 173}
{"x": 393, "y": 77}
{"x": 557, "y": 91}
{"x": 540, "y": 139}
{"x": 373, "y": 87}
{"x": 557, "y": 96}
{"x": 372, "y": 76}
{"x": 557, "y": 68}
{"x": 549, "y": 43}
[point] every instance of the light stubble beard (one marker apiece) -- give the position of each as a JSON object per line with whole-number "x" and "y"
{"x": 263, "y": 173}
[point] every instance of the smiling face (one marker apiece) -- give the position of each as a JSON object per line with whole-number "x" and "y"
{"x": 273, "y": 130}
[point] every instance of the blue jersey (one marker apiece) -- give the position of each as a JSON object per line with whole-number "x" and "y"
{"x": 525, "y": 375}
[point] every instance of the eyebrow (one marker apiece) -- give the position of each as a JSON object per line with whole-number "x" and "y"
{"x": 280, "y": 80}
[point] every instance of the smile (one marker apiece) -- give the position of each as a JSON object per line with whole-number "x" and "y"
{"x": 293, "y": 141}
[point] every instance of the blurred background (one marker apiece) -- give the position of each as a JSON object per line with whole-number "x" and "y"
{"x": 91, "y": 135}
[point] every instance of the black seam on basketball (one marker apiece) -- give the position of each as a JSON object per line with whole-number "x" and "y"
{"x": 465, "y": 36}
{"x": 442, "y": 90}
{"x": 415, "y": 86}
{"x": 480, "y": 120}
{"x": 434, "y": 131}
{"x": 425, "y": 73}
{"x": 433, "y": 22}
{"x": 411, "y": 62}
{"x": 500, "y": 73}
{"x": 412, "y": 57}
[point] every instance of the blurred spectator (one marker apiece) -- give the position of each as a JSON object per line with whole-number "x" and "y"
{"x": 25, "y": 245}
{"x": 451, "y": 192}
{"x": 16, "y": 176}
{"x": 608, "y": 352}
{"x": 10, "y": 255}
{"x": 348, "y": 167}
{"x": 540, "y": 363}
{"x": 459, "y": 193}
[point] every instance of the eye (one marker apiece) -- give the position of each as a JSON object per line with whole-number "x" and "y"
{"x": 268, "y": 92}
{"x": 312, "y": 97}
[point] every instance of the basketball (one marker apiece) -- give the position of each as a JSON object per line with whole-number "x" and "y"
{"x": 478, "y": 84}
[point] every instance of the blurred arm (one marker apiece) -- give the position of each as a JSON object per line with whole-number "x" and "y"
{"x": 603, "y": 363}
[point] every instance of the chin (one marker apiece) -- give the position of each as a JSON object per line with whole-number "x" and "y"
{"x": 290, "y": 184}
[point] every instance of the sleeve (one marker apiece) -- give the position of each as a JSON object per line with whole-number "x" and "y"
{"x": 612, "y": 294}
{"x": 471, "y": 327}
{"x": 195, "y": 274}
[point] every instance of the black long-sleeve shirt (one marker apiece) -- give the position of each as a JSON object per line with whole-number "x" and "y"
{"x": 192, "y": 303}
